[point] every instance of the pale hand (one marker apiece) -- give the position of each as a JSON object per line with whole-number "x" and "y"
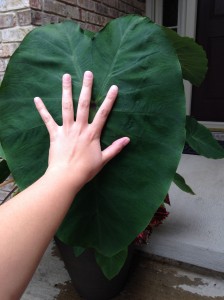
{"x": 75, "y": 146}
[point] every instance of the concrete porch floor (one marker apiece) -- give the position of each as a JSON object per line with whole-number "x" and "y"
{"x": 151, "y": 279}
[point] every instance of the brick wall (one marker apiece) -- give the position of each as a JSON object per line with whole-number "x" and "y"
{"x": 18, "y": 17}
{"x": 12, "y": 28}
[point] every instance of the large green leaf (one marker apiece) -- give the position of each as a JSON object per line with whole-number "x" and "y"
{"x": 78, "y": 250}
{"x": 111, "y": 266}
{"x": 2, "y": 154}
{"x": 201, "y": 140}
{"x": 191, "y": 55}
{"x": 134, "y": 53}
{"x": 181, "y": 183}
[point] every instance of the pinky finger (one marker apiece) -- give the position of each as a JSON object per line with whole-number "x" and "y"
{"x": 115, "y": 148}
{"x": 45, "y": 115}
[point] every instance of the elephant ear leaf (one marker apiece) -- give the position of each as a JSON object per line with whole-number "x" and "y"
{"x": 201, "y": 140}
{"x": 180, "y": 182}
{"x": 2, "y": 154}
{"x": 192, "y": 57}
{"x": 78, "y": 251}
{"x": 111, "y": 266}
{"x": 150, "y": 109}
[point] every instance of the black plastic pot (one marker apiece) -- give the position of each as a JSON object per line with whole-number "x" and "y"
{"x": 87, "y": 277}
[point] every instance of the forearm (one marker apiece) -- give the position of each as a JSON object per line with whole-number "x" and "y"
{"x": 28, "y": 223}
{"x": 29, "y": 220}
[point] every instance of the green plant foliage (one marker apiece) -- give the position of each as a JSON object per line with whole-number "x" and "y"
{"x": 201, "y": 140}
{"x": 2, "y": 154}
{"x": 111, "y": 266}
{"x": 4, "y": 170}
{"x": 192, "y": 57}
{"x": 135, "y": 54}
{"x": 180, "y": 182}
{"x": 78, "y": 251}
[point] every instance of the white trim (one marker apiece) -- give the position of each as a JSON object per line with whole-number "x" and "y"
{"x": 159, "y": 12}
{"x": 213, "y": 126}
{"x": 154, "y": 10}
{"x": 187, "y": 15}
{"x": 187, "y": 27}
{"x": 188, "y": 96}
{"x": 187, "y": 18}
{"x": 150, "y": 9}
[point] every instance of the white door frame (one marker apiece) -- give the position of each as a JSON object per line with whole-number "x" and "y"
{"x": 187, "y": 17}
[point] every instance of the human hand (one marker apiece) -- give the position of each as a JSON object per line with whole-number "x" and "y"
{"x": 75, "y": 146}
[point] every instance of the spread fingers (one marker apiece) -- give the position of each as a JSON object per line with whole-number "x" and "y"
{"x": 67, "y": 102}
{"x": 104, "y": 110}
{"x": 82, "y": 114}
{"x": 45, "y": 115}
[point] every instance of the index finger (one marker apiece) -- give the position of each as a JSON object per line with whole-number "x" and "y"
{"x": 82, "y": 114}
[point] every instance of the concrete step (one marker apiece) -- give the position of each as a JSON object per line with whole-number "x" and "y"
{"x": 151, "y": 278}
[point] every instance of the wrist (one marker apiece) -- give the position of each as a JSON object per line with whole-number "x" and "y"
{"x": 63, "y": 176}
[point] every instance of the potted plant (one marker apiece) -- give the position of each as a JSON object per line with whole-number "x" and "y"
{"x": 148, "y": 62}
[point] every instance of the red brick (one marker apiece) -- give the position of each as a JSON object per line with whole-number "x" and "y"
{"x": 102, "y": 9}
{"x": 73, "y": 2}
{"x": 24, "y": 17}
{"x": 107, "y": 11}
{"x": 111, "y": 3}
{"x": 113, "y": 13}
{"x": 49, "y": 6}
{"x": 37, "y": 4}
{"x": 73, "y": 12}
{"x": 81, "y": 24}
{"x": 122, "y": 6}
{"x": 61, "y": 19}
{"x": 96, "y": 19}
{"x": 137, "y": 4}
{"x": 86, "y": 4}
{"x": 55, "y": 7}
{"x": 93, "y": 18}
{"x": 91, "y": 27}
{"x": 132, "y": 10}
{"x": 121, "y": 13}
{"x": 90, "y": 14}
{"x": 36, "y": 17}
{"x": 83, "y": 15}
{"x": 47, "y": 19}
{"x": 7, "y": 20}
{"x": 42, "y": 18}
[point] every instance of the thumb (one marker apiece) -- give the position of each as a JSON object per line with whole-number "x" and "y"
{"x": 114, "y": 149}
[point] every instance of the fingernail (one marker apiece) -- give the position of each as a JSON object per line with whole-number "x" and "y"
{"x": 88, "y": 74}
{"x": 36, "y": 99}
{"x": 114, "y": 88}
{"x": 67, "y": 77}
{"x": 126, "y": 140}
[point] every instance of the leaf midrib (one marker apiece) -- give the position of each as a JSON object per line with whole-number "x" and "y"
{"x": 106, "y": 80}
